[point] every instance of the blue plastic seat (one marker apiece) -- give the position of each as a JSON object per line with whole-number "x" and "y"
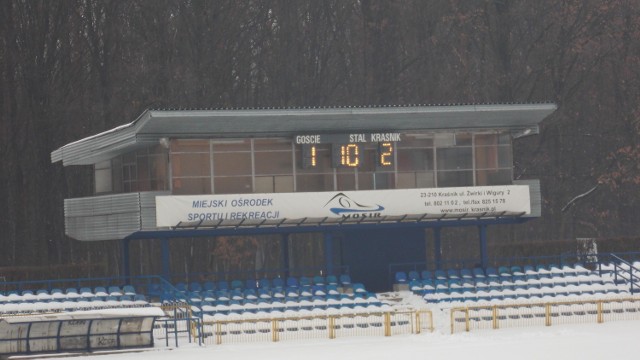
{"x": 401, "y": 277}
{"x": 332, "y": 280}
{"x": 318, "y": 280}
{"x": 277, "y": 284}
{"x": 195, "y": 286}
{"x": 181, "y": 286}
{"x": 466, "y": 274}
{"x": 264, "y": 293}
{"x": 426, "y": 275}
{"x": 264, "y": 284}
{"x": 250, "y": 294}
{"x": 305, "y": 281}
{"x": 440, "y": 275}
{"x": 478, "y": 273}
{"x": 416, "y": 286}
{"x": 236, "y": 294}
{"x": 413, "y": 275}
{"x": 491, "y": 272}
{"x": 251, "y": 284}
{"x": 237, "y": 285}
{"x": 128, "y": 290}
{"x": 292, "y": 282}
{"x": 358, "y": 287}
{"x": 453, "y": 274}
{"x": 222, "y": 285}
{"x": 209, "y": 285}
{"x": 345, "y": 280}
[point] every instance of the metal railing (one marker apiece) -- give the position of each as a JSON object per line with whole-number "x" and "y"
{"x": 316, "y": 327}
{"x": 547, "y": 314}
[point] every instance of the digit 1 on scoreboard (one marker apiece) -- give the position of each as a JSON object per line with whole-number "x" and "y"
{"x": 309, "y": 156}
{"x": 385, "y": 154}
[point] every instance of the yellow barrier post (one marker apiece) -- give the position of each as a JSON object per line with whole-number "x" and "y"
{"x": 274, "y": 330}
{"x": 547, "y": 311}
{"x": 495, "y": 316}
{"x": 600, "y": 319}
{"x": 218, "y": 333}
{"x": 451, "y": 320}
{"x": 418, "y": 326}
{"x": 332, "y": 333}
{"x": 466, "y": 319}
{"x": 387, "y": 324}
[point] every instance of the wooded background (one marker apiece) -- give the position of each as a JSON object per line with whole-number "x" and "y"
{"x": 73, "y": 68}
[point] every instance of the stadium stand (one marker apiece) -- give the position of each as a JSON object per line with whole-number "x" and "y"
{"x": 522, "y": 284}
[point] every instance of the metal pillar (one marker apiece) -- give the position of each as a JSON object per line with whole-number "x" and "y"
{"x": 437, "y": 247}
{"x": 166, "y": 258}
{"x": 126, "y": 266}
{"x": 284, "y": 251}
{"x": 482, "y": 232}
{"x": 328, "y": 253}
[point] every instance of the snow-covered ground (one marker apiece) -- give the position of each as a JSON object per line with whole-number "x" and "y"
{"x": 614, "y": 340}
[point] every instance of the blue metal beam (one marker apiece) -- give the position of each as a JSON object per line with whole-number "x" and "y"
{"x": 437, "y": 247}
{"x": 484, "y": 257}
{"x": 328, "y": 253}
{"x": 240, "y": 231}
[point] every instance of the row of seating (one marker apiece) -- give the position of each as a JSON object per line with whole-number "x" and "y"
{"x": 316, "y": 302}
{"x": 57, "y": 305}
{"x": 431, "y": 286}
{"x": 528, "y": 272}
{"x": 265, "y": 283}
{"x": 68, "y": 294}
{"x": 262, "y": 293}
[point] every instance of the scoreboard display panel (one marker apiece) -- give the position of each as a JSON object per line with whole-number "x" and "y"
{"x": 347, "y": 150}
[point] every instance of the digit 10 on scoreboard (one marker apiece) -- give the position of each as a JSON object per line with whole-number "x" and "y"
{"x": 350, "y": 155}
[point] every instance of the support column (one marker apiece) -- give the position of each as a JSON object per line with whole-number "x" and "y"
{"x": 126, "y": 265}
{"x": 482, "y": 232}
{"x": 166, "y": 258}
{"x": 328, "y": 253}
{"x": 437, "y": 247}
{"x": 284, "y": 252}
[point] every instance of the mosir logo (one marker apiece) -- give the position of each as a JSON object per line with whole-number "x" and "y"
{"x": 343, "y": 205}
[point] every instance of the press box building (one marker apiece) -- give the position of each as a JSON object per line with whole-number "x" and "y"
{"x": 379, "y": 176}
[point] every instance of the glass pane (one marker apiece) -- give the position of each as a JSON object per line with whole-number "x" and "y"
{"x": 234, "y": 163}
{"x": 406, "y": 180}
{"x": 385, "y": 180}
{"x": 191, "y": 186}
{"x": 346, "y": 182}
{"x": 493, "y": 177}
{"x": 232, "y": 185}
{"x": 416, "y": 141}
{"x": 463, "y": 139}
{"x": 274, "y": 162}
{"x": 366, "y": 181}
{"x": 504, "y": 156}
{"x": 231, "y": 145}
{"x": 454, "y": 158}
{"x": 190, "y": 165}
{"x": 264, "y": 184}
{"x": 455, "y": 178}
{"x": 315, "y": 182}
{"x": 415, "y": 159}
{"x": 425, "y": 179}
{"x": 197, "y": 145}
{"x": 272, "y": 144}
{"x": 486, "y": 139}
{"x": 283, "y": 184}
{"x": 103, "y": 180}
{"x": 486, "y": 157}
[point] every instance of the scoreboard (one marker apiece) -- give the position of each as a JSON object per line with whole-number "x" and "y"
{"x": 347, "y": 149}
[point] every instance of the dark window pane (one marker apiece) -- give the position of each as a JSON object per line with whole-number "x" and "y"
{"x": 190, "y": 165}
{"x": 274, "y": 162}
{"x": 454, "y": 158}
{"x": 232, "y": 185}
{"x": 455, "y": 178}
{"x": 191, "y": 186}
{"x": 225, "y": 164}
{"x": 315, "y": 182}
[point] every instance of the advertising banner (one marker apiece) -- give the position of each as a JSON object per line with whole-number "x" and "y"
{"x": 436, "y": 202}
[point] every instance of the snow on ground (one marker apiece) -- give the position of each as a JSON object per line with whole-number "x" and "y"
{"x": 614, "y": 340}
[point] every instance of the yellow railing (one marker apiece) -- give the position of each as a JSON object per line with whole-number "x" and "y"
{"x": 313, "y": 327}
{"x": 548, "y": 313}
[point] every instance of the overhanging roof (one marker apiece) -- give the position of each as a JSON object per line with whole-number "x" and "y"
{"x": 155, "y": 124}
